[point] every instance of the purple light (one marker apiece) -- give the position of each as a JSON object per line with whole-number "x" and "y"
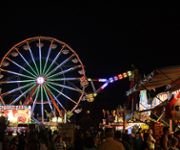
{"x": 115, "y": 78}
{"x": 104, "y": 85}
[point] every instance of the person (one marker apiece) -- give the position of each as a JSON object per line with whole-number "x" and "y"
{"x": 174, "y": 144}
{"x": 104, "y": 116}
{"x": 177, "y": 135}
{"x": 150, "y": 140}
{"x": 60, "y": 143}
{"x": 110, "y": 143}
{"x": 164, "y": 138}
{"x": 138, "y": 141}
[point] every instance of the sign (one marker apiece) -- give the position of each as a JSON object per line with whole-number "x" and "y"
{"x": 16, "y": 114}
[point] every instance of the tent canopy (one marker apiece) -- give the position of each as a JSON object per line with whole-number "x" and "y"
{"x": 167, "y": 76}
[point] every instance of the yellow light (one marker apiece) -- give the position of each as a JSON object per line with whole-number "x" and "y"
{"x": 54, "y": 119}
{"x": 89, "y": 79}
{"x": 124, "y": 74}
{"x": 129, "y": 73}
{"x": 60, "y": 120}
{"x": 94, "y": 94}
{"x": 90, "y": 97}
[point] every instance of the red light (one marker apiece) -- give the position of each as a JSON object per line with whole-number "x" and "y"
{"x": 120, "y": 76}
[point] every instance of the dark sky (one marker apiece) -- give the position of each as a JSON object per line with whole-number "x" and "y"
{"x": 107, "y": 38}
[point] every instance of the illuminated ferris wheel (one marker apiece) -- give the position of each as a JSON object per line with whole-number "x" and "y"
{"x": 42, "y": 72}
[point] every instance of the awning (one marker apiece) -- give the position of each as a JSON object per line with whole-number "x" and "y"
{"x": 167, "y": 76}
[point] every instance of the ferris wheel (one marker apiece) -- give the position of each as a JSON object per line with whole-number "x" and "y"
{"x": 43, "y": 72}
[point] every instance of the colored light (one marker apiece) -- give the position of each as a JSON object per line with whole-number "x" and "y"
{"x": 40, "y": 80}
{"x": 90, "y": 97}
{"x": 124, "y": 74}
{"x": 94, "y": 94}
{"x": 104, "y": 85}
{"x": 102, "y": 80}
{"x": 89, "y": 79}
{"x": 120, "y": 76}
{"x": 129, "y": 73}
{"x": 115, "y": 78}
{"x": 111, "y": 80}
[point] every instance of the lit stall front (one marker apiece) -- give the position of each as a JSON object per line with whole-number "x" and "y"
{"x": 16, "y": 114}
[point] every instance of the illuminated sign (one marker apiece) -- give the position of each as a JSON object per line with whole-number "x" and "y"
{"x": 16, "y": 114}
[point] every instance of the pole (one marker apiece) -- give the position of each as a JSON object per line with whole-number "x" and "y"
{"x": 123, "y": 123}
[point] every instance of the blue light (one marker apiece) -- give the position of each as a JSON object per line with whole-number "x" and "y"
{"x": 111, "y": 80}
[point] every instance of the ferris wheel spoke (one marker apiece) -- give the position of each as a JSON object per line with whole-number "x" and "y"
{"x": 61, "y": 64}
{"x": 32, "y": 57}
{"x": 42, "y": 103}
{"x": 35, "y": 99}
{"x": 2, "y": 101}
{"x": 73, "y": 85}
{"x": 23, "y": 94}
{"x": 16, "y": 73}
{"x": 47, "y": 57}
{"x": 54, "y": 60}
{"x": 65, "y": 71}
{"x": 49, "y": 102}
{"x": 24, "y": 59}
{"x": 48, "y": 90}
{"x": 65, "y": 79}
{"x": 20, "y": 66}
{"x": 67, "y": 87}
{"x": 16, "y": 89}
{"x": 40, "y": 57}
{"x": 59, "y": 92}
{"x": 16, "y": 81}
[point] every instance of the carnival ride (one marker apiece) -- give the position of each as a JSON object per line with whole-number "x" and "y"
{"x": 47, "y": 74}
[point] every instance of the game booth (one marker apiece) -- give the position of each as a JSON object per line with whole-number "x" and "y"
{"x": 19, "y": 120}
{"x": 18, "y": 117}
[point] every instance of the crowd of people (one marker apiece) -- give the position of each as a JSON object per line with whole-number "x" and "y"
{"x": 91, "y": 139}
{"x": 88, "y": 137}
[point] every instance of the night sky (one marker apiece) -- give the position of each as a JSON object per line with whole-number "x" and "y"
{"x": 108, "y": 39}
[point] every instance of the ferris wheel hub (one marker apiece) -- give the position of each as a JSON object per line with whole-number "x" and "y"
{"x": 40, "y": 80}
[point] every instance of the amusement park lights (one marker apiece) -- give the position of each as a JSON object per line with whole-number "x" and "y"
{"x": 107, "y": 81}
{"x": 45, "y": 72}
{"x": 90, "y": 97}
{"x": 129, "y": 73}
{"x": 102, "y": 80}
{"x": 120, "y": 76}
{"x": 40, "y": 80}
